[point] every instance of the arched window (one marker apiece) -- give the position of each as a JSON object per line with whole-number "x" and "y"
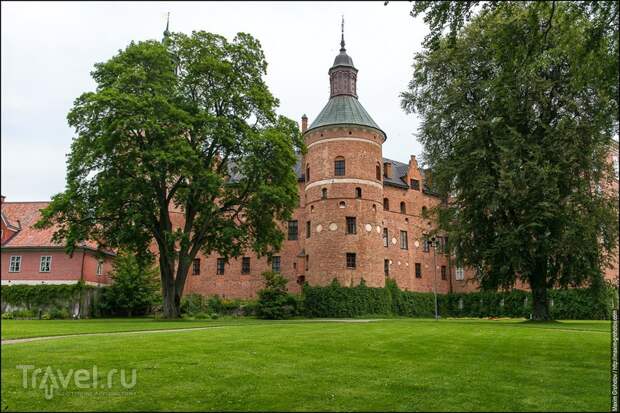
{"x": 386, "y": 204}
{"x": 403, "y": 208}
{"x": 307, "y": 173}
{"x": 378, "y": 172}
{"x": 358, "y": 192}
{"x": 339, "y": 166}
{"x": 324, "y": 193}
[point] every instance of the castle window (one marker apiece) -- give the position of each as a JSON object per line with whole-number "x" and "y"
{"x": 351, "y": 225}
{"x": 301, "y": 280}
{"x": 307, "y": 173}
{"x": 339, "y": 166}
{"x": 403, "y": 240}
{"x": 386, "y": 267}
{"x": 386, "y": 204}
{"x": 418, "y": 270}
{"x": 444, "y": 272}
{"x": 460, "y": 273}
{"x": 403, "y": 208}
{"x": 374, "y": 208}
{"x": 426, "y": 245}
{"x": 275, "y": 264}
{"x": 378, "y": 172}
{"x": 307, "y": 262}
{"x": 45, "y": 265}
{"x": 342, "y": 204}
{"x": 308, "y": 229}
{"x": 358, "y": 192}
{"x": 424, "y": 212}
{"x": 245, "y": 265}
{"x": 292, "y": 230}
{"x": 196, "y": 266}
{"x": 385, "y": 237}
{"x": 415, "y": 184}
{"x": 220, "y": 266}
{"x": 351, "y": 260}
{"x": 324, "y": 193}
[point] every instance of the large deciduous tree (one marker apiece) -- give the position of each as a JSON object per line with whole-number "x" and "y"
{"x": 519, "y": 104}
{"x": 179, "y": 150}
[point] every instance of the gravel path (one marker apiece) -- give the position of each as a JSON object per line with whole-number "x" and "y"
{"x": 172, "y": 330}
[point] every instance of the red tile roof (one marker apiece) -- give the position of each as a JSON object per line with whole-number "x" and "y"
{"x": 24, "y": 215}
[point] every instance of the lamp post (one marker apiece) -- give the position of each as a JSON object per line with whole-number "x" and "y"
{"x": 434, "y": 246}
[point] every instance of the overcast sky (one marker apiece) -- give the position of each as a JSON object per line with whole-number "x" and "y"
{"x": 48, "y": 51}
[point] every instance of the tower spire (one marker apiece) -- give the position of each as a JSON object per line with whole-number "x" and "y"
{"x": 342, "y": 49}
{"x": 167, "y": 32}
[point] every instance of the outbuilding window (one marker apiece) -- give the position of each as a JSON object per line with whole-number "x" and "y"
{"x": 45, "y": 265}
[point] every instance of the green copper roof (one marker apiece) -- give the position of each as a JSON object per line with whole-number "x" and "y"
{"x": 344, "y": 109}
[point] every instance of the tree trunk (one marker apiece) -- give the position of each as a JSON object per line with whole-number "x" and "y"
{"x": 540, "y": 299}
{"x": 171, "y": 300}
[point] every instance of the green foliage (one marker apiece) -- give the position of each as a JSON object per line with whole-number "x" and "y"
{"x": 35, "y": 297}
{"x": 187, "y": 125}
{"x": 135, "y": 288}
{"x": 518, "y": 111}
{"x": 197, "y": 306}
{"x": 337, "y": 301}
{"x": 274, "y": 301}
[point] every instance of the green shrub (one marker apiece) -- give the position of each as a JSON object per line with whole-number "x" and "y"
{"x": 135, "y": 289}
{"x": 214, "y": 304}
{"x": 8, "y": 315}
{"x": 24, "y": 314}
{"x": 274, "y": 301}
{"x": 59, "y": 314}
{"x": 193, "y": 304}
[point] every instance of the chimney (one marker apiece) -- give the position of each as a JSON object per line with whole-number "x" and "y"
{"x": 2, "y": 199}
{"x": 387, "y": 169}
{"x": 304, "y": 123}
{"x": 413, "y": 163}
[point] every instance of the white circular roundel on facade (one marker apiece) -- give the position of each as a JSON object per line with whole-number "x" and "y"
{"x": 368, "y": 227}
{"x": 378, "y": 229}
{"x": 417, "y": 244}
{"x": 394, "y": 241}
{"x": 333, "y": 226}
{"x": 319, "y": 228}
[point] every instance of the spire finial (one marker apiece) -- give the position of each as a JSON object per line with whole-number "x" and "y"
{"x": 342, "y": 49}
{"x": 167, "y": 32}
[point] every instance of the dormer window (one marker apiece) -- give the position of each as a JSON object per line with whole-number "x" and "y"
{"x": 415, "y": 184}
{"x": 387, "y": 169}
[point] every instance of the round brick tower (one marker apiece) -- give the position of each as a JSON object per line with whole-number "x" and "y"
{"x": 343, "y": 186}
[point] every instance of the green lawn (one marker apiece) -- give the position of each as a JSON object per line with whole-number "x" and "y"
{"x": 397, "y": 365}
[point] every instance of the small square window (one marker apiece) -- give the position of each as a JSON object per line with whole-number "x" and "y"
{"x": 45, "y": 265}
{"x": 292, "y": 230}
{"x": 418, "y": 270}
{"x": 15, "y": 263}
{"x": 245, "y": 265}
{"x": 220, "y": 266}
{"x": 351, "y": 225}
{"x": 196, "y": 266}
{"x": 404, "y": 244}
{"x": 351, "y": 260}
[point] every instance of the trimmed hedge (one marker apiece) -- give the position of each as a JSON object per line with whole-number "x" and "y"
{"x": 335, "y": 300}
{"x": 32, "y": 296}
